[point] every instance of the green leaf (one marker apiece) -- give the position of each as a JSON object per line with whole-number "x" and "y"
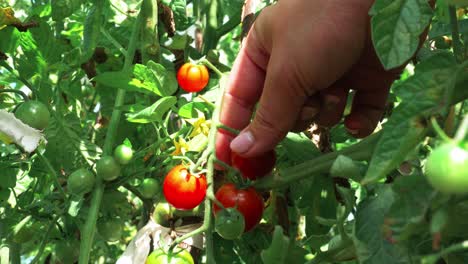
{"x": 179, "y": 9}
{"x": 190, "y": 110}
{"x": 412, "y": 200}
{"x": 277, "y": 252}
{"x": 155, "y": 78}
{"x": 442, "y": 29}
{"x": 299, "y": 147}
{"x": 10, "y": 39}
{"x": 370, "y": 239}
{"x": 166, "y": 79}
{"x": 118, "y": 80}
{"x": 394, "y": 145}
{"x": 406, "y": 127}
{"x": 319, "y": 201}
{"x": 396, "y": 26}
{"x": 154, "y": 113}
{"x": 345, "y": 167}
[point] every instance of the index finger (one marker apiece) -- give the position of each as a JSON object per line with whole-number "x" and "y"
{"x": 243, "y": 91}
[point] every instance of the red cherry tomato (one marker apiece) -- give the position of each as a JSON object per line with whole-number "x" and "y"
{"x": 254, "y": 168}
{"x": 247, "y": 201}
{"x": 183, "y": 190}
{"x": 193, "y": 78}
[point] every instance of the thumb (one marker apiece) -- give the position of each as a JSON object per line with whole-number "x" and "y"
{"x": 280, "y": 104}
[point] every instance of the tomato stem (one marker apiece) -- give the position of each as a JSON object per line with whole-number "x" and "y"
{"x": 440, "y": 132}
{"x": 211, "y": 66}
{"x": 322, "y": 164}
{"x": 89, "y": 228}
{"x": 229, "y": 129}
{"x": 457, "y": 44}
{"x": 52, "y": 172}
{"x": 23, "y": 95}
{"x": 462, "y": 130}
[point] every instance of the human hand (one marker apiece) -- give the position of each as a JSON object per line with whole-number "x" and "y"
{"x": 299, "y": 62}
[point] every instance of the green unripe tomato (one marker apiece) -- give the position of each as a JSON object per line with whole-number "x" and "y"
{"x": 111, "y": 230}
{"x": 123, "y": 154}
{"x": 33, "y": 113}
{"x": 67, "y": 251}
{"x": 179, "y": 256}
{"x": 149, "y": 187}
{"x": 229, "y": 223}
{"x": 447, "y": 169}
{"x": 108, "y": 168}
{"x": 162, "y": 214}
{"x": 81, "y": 182}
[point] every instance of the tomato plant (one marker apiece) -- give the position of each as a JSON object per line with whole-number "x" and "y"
{"x": 149, "y": 187}
{"x": 81, "y": 181}
{"x": 110, "y": 229}
{"x": 123, "y": 154}
{"x": 247, "y": 201}
{"x": 193, "y": 78}
{"x": 179, "y": 256}
{"x": 34, "y": 114}
{"x": 183, "y": 190}
{"x": 255, "y": 167}
{"x": 137, "y": 87}
{"x": 108, "y": 168}
{"x": 447, "y": 168}
{"x": 229, "y": 223}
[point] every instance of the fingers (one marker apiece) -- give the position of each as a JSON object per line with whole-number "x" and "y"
{"x": 280, "y": 103}
{"x": 244, "y": 88}
{"x": 372, "y": 88}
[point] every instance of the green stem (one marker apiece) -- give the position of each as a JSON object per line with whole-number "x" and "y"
{"x": 224, "y": 164}
{"x": 211, "y": 66}
{"x": 462, "y": 246}
{"x": 440, "y": 132}
{"x": 51, "y": 170}
{"x": 457, "y": 44}
{"x": 360, "y": 151}
{"x": 90, "y": 225}
{"x": 150, "y": 49}
{"x": 210, "y": 38}
{"x": 228, "y": 26}
{"x": 44, "y": 241}
{"x": 462, "y": 130}
{"x": 113, "y": 41}
{"x": 15, "y": 253}
{"x": 25, "y": 97}
{"x": 232, "y": 130}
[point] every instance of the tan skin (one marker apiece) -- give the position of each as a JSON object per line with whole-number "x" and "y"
{"x": 298, "y": 63}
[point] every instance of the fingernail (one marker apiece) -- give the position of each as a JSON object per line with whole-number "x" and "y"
{"x": 331, "y": 101}
{"x": 307, "y": 113}
{"x": 243, "y": 142}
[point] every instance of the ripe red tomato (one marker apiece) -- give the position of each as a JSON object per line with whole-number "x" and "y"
{"x": 247, "y": 201}
{"x": 254, "y": 168}
{"x": 193, "y": 78}
{"x": 183, "y": 190}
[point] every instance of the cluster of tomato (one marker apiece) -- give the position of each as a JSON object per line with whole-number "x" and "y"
{"x": 243, "y": 207}
{"x": 237, "y": 209}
